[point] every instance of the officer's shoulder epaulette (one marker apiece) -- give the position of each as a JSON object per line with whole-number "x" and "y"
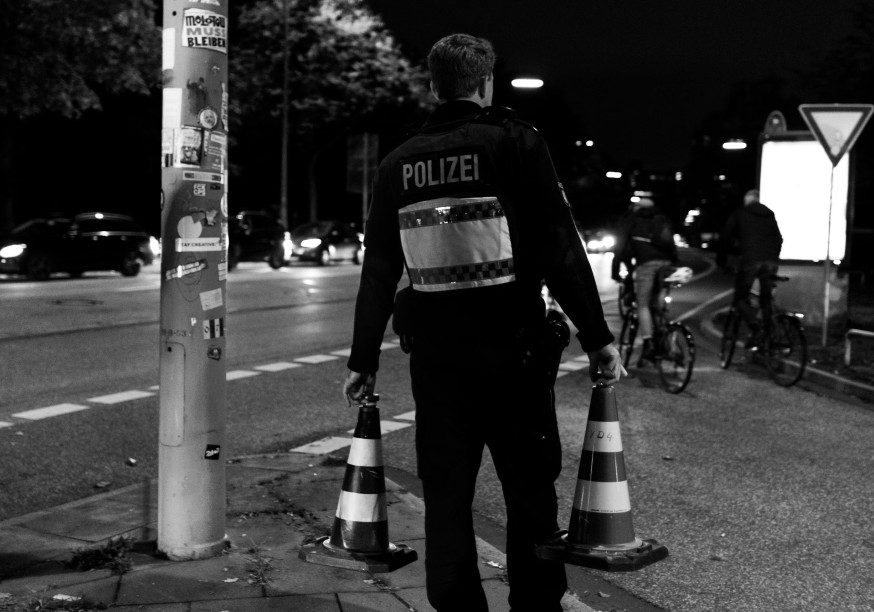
{"x": 502, "y": 115}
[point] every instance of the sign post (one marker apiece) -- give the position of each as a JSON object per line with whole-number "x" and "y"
{"x": 362, "y": 153}
{"x": 194, "y": 213}
{"x": 836, "y": 127}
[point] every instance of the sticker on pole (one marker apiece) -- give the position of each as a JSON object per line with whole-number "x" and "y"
{"x": 213, "y": 328}
{"x": 205, "y": 30}
{"x": 836, "y": 126}
{"x": 212, "y": 452}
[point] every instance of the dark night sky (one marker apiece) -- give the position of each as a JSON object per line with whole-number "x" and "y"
{"x": 641, "y": 73}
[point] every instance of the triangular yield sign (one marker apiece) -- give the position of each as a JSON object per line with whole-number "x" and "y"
{"x": 836, "y": 126}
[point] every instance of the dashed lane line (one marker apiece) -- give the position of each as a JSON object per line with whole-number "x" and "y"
{"x": 238, "y": 374}
{"x": 317, "y": 447}
{"x": 279, "y": 366}
{"x": 117, "y": 398}
{"x": 49, "y": 411}
{"x": 314, "y": 359}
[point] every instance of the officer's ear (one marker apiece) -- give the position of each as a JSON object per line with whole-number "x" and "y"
{"x": 434, "y": 92}
{"x": 486, "y": 89}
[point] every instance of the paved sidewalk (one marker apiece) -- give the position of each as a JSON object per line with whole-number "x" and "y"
{"x": 275, "y": 504}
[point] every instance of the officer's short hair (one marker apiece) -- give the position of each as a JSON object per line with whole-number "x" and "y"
{"x": 458, "y": 63}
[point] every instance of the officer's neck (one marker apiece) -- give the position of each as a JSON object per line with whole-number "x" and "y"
{"x": 476, "y": 98}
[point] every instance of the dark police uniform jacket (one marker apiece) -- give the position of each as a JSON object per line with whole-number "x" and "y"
{"x": 472, "y": 206}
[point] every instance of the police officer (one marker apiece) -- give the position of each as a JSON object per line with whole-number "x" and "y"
{"x": 472, "y": 207}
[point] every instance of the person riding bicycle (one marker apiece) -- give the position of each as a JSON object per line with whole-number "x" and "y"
{"x": 755, "y": 231}
{"x": 646, "y": 238}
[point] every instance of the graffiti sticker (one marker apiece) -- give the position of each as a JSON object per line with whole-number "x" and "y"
{"x": 202, "y": 29}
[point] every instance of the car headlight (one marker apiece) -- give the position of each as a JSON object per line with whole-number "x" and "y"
{"x": 12, "y": 250}
{"x": 310, "y": 243}
{"x": 155, "y": 246}
{"x": 608, "y": 242}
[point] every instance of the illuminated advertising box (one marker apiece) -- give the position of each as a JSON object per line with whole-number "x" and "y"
{"x": 795, "y": 181}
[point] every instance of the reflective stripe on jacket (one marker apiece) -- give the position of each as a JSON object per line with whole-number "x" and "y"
{"x": 456, "y": 243}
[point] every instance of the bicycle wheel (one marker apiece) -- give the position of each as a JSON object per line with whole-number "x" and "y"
{"x": 729, "y": 338}
{"x": 786, "y": 351}
{"x": 627, "y": 337}
{"x": 675, "y": 357}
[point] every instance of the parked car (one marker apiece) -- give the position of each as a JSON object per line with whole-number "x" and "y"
{"x": 87, "y": 241}
{"x": 327, "y": 241}
{"x": 256, "y": 236}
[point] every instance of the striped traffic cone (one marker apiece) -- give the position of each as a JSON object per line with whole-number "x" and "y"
{"x": 359, "y": 536}
{"x": 601, "y": 534}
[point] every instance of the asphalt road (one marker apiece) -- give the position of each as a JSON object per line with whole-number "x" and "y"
{"x": 762, "y": 494}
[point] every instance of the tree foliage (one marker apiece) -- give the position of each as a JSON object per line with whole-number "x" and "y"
{"x": 60, "y": 56}
{"x": 343, "y": 67}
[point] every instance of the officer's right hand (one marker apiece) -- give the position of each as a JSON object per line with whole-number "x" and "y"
{"x": 605, "y": 365}
{"x": 357, "y": 385}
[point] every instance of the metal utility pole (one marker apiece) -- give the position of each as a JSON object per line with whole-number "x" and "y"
{"x": 194, "y": 212}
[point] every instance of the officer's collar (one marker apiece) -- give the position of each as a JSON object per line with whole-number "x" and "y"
{"x": 453, "y": 110}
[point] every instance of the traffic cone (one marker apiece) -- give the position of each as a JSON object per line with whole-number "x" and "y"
{"x": 359, "y": 536}
{"x": 600, "y": 534}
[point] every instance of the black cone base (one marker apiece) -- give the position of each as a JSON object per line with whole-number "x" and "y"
{"x": 608, "y": 559}
{"x": 322, "y": 553}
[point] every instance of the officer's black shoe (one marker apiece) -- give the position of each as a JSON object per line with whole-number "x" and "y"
{"x": 552, "y": 548}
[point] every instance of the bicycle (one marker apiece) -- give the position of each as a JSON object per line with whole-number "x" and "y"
{"x": 673, "y": 343}
{"x": 626, "y": 294}
{"x": 783, "y": 347}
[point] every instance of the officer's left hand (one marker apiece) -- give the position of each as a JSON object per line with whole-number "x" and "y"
{"x": 358, "y": 385}
{"x": 605, "y": 365}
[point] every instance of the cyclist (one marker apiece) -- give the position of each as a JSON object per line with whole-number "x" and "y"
{"x": 646, "y": 237}
{"x": 754, "y": 228}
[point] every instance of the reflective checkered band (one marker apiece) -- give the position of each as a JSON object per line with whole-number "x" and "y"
{"x": 456, "y": 243}
{"x": 450, "y": 210}
{"x": 465, "y": 275}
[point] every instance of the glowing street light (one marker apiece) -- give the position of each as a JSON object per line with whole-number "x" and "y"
{"x": 527, "y": 83}
{"x": 614, "y": 175}
{"x": 735, "y": 144}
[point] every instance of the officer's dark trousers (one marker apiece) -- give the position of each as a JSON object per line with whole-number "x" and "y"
{"x": 469, "y": 395}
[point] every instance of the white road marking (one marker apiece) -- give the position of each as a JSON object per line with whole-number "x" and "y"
{"x": 343, "y": 353}
{"x": 238, "y": 374}
{"x": 407, "y": 416}
{"x": 117, "y": 398}
{"x": 389, "y": 345}
{"x": 5, "y": 424}
{"x": 316, "y": 358}
{"x": 572, "y": 366}
{"x": 323, "y": 446}
{"x": 139, "y": 288}
{"x": 49, "y": 411}
{"x": 279, "y": 366}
